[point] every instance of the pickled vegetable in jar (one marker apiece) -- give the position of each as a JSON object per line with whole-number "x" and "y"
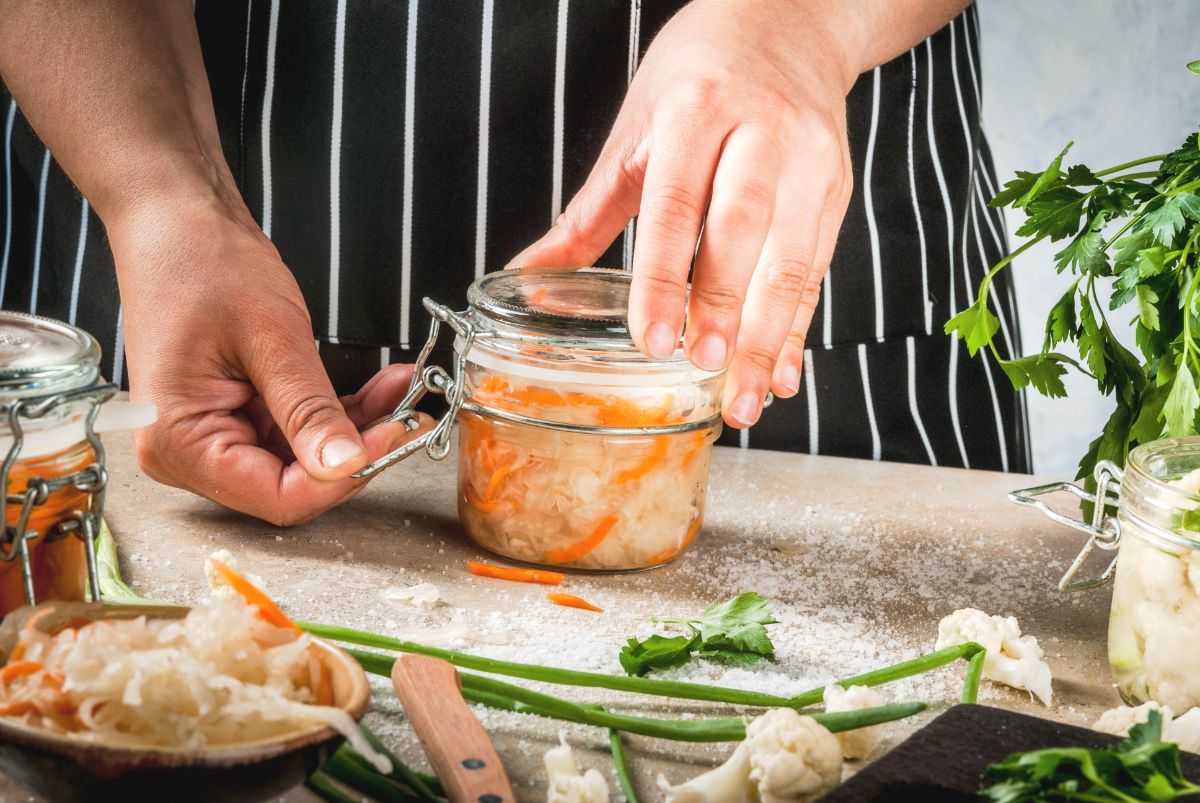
{"x": 1154, "y": 625}
{"x": 40, "y": 358}
{"x": 576, "y": 451}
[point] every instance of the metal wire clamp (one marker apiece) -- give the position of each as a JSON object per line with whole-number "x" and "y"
{"x": 1104, "y": 531}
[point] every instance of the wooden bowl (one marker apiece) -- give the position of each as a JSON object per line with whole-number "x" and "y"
{"x": 65, "y": 769}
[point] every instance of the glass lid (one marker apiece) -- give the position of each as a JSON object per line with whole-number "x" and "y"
{"x": 557, "y": 302}
{"x": 40, "y": 356}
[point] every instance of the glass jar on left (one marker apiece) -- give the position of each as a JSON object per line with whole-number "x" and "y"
{"x": 53, "y": 463}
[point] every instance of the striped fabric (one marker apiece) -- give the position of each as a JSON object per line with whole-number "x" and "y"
{"x": 399, "y": 150}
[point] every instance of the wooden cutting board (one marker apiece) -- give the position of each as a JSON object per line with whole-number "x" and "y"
{"x": 945, "y": 760}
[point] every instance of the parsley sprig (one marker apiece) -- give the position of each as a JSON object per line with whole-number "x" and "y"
{"x": 734, "y": 630}
{"x": 1142, "y": 767}
{"x": 1131, "y": 231}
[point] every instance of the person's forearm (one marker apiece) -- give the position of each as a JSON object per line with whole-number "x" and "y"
{"x": 117, "y": 90}
{"x": 854, "y": 36}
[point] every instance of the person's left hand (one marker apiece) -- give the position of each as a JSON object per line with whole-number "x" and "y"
{"x": 734, "y": 121}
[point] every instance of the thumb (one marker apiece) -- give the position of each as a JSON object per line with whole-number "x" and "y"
{"x": 597, "y": 214}
{"x": 288, "y": 374}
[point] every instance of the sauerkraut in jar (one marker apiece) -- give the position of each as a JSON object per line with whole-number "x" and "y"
{"x": 1154, "y": 625}
{"x": 576, "y": 451}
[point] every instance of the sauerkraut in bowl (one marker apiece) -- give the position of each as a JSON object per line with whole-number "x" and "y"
{"x": 230, "y": 672}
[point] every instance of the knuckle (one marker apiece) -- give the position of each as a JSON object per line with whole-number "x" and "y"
{"x": 759, "y": 358}
{"x": 307, "y": 412}
{"x": 663, "y": 284}
{"x": 722, "y": 297}
{"x": 677, "y": 209}
{"x": 786, "y": 278}
{"x": 698, "y": 95}
{"x": 748, "y": 204}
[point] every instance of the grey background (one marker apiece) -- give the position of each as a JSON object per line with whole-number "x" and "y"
{"x": 1110, "y": 75}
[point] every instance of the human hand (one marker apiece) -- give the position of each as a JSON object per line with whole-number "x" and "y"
{"x": 735, "y": 120}
{"x": 218, "y": 337}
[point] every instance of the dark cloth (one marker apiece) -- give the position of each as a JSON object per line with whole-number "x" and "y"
{"x": 398, "y": 150}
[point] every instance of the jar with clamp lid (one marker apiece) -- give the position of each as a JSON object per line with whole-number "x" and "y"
{"x": 1149, "y": 514}
{"x": 576, "y": 451}
{"x": 53, "y": 463}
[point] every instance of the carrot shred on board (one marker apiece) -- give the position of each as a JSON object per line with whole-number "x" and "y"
{"x": 546, "y": 578}
{"x": 583, "y": 546}
{"x": 18, "y": 669}
{"x": 268, "y": 611}
{"x": 688, "y": 537}
{"x": 572, "y": 601}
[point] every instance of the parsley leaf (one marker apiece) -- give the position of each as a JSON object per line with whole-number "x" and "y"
{"x": 1061, "y": 323}
{"x": 976, "y": 324}
{"x": 734, "y": 630}
{"x": 1044, "y": 372}
{"x": 1054, "y": 213}
{"x": 1179, "y": 411}
{"x": 1147, "y": 311}
{"x": 1166, "y": 221}
{"x": 656, "y": 652}
{"x": 1142, "y": 767}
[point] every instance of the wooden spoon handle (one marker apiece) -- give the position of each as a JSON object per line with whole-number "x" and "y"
{"x": 457, "y": 745}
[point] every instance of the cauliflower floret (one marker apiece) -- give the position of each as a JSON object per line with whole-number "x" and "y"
{"x": 860, "y": 742}
{"x": 1012, "y": 659}
{"x": 785, "y": 756}
{"x": 1183, "y": 730}
{"x": 1117, "y": 721}
{"x": 566, "y": 785}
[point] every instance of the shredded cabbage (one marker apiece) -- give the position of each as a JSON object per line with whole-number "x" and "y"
{"x": 218, "y": 676}
{"x": 588, "y": 501}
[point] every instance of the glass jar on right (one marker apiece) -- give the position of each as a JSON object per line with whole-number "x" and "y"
{"x": 1154, "y": 624}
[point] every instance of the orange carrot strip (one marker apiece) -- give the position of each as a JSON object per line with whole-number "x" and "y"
{"x": 572, "y": 601}
{"x": 693, "y": 449}
{"x": 19, "y": 669}
{"x": 487, "y": 506}
{"x": 542, "y": 576}
{"x": 268, "y": 611}
{"x": 541, "y": 396}
{"x": 583, "y": 546}
{"x": 538, "y": 295}
{"x": 17, "y": 708}
{"x": 648, "y": 464}
{"x": 319, "y": 678}
{"x": 688, "y": 537}
{"x": 493, "y": 485}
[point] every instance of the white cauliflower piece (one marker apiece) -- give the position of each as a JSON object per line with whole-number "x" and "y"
{"x": 1117, "y": 721}
{"x": 785, "y": 756}
{"x": 1183, "y": 730}
{"x": 566, "y": 784}
{"x": 860, "y": 742}
{"x": 217, "y": 587}
{"x": 1012, "y": 659}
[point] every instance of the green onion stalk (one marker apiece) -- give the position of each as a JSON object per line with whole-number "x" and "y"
{"x": 498, "y": 694}
{"x": 641, "y": 685}
{"x": 621, "y": 764}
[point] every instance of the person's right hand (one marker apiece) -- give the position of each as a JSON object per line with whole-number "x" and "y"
{"x": 218, "y": 337}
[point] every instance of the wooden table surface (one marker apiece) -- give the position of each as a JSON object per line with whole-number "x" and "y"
{"x": 860, "y": 560}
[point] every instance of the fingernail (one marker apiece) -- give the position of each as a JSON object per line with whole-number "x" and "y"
{"x": 710, "y": 352}
{"x": 660, "y": 340}
{"x": 745, "y": 408}
{"x": 789, "y": 377}
{"x": 339, "y": 451}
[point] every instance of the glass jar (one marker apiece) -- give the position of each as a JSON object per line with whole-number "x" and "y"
{"x": 1150, "y": 515}
{"x": 576, "y": 451}
{"x": 52, "y": 469}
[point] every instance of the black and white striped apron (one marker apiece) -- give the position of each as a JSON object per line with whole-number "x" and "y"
{"x": 399, "y": 150}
